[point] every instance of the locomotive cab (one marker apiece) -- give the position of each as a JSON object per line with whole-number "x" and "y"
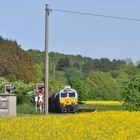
{"x": 66, "y": 100}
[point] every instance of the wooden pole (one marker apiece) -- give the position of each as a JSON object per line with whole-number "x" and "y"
{"x": 46, "y": 99}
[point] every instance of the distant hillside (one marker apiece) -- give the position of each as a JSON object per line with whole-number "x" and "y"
{"x": 85, "y": 64}
{"x": 94, "y": 79}
{"x": 98, "y": 79}
{"x": 15, "y": 63}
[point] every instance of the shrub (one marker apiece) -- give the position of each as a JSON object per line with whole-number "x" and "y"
{"x": 131, "y": 93}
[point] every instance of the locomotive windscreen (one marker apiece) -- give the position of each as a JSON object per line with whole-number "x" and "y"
{"x": 72, "y": 94}
{"x": 63, "y": 94}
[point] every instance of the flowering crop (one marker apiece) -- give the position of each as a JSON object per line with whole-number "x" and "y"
{"x": 109, "y": 125}
{"x": 104, "y": 102}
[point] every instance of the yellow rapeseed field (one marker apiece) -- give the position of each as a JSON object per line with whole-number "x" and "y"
{"x": 104, "y": 102}
{"x": 109, "y": 125}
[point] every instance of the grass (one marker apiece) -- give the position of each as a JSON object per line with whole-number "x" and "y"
{"x": 88, "y": 106}
{"x": 99, "y": 107}
{"x": 26, "y": 108}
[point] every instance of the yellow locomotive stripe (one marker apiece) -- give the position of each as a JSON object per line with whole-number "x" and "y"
{"x": 68, "y": 101}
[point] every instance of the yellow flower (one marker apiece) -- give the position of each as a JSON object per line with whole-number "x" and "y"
{"x": 109, "y": 125}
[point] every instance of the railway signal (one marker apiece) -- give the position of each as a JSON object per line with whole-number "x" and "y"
{"x": 8, "y": 88}
{"x": 39, "y": 99}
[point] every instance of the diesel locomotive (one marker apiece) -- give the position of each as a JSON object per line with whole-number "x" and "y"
{"x": 64, "y": 101}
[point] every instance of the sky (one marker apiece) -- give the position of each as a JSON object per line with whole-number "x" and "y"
{"x": 95, "y": 37}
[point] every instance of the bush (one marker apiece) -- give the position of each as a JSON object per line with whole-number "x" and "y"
{"x": 131, "y": 93}
{"x": 102, "y": 86}
{"x": 80, "y": 87}
{"x": 21, "y": 90}
{"x": 3, "y": 81}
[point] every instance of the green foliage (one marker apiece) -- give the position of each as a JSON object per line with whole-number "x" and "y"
{"x": 21, "y": 90}
{"x": 76, "y": 65}
{"x": 98, "y": 107}
{"x": 26, "y": 92}
{"x": 1, "y": 39}
{"x": 60, "y": 76}
{"x": 40, "y": 74}
{"x": 131, "y": 93}
{"x": 98, "y": 79}
{"x": 55, "y": 85}
{"x": 26, "y": 108}
{"x": 80, "y": 87}
{"x": 15, "y": 63}
{"x": 103, "y": 64}
{"x": 72, "y": 73}
{"x": 3, "y": 81}
{"x": 63, "y": 63}
{"x": 102, "y": 86}
{"x": 131, "y": 70}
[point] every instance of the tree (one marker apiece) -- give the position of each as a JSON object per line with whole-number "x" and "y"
{"x": 63, "y": 63}
{"x": 138, "y": 64}
{"x": 1, "y": 39}
{"x": 55, "y": 85}
{"x": 72, "y": 73}
{"x": 77, "y": 65}
{"x": 87, "y": 67}
{"x": 128, "y": 61}
{"x": 102, "y": 86}
{"x": 131, "y": 93}
{"x": 80, "y": 87}
{"x": 15, "y": 63}
{"x": 131, "y": 70}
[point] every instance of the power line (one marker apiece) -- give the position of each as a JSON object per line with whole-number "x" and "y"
{"x": 97, "y": 15}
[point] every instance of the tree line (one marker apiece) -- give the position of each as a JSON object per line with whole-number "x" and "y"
{"x": 94, "y": 79}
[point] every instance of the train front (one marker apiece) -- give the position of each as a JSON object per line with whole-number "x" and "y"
{"x": 68, "y": 98}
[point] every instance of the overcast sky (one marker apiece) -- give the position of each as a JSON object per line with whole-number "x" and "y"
{"x": 95, "y": 37}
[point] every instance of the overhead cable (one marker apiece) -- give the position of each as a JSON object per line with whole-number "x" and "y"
{"x": 97, "y": 15}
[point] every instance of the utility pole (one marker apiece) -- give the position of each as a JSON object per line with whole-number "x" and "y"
{"x": 46, "y": 96}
